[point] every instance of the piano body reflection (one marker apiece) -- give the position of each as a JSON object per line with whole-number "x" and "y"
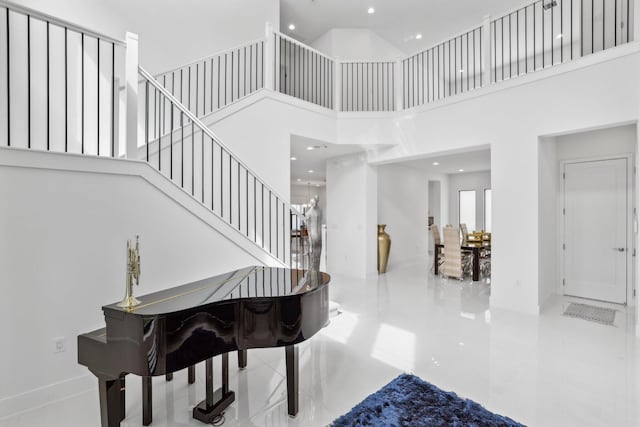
{"x": 173, "y": 329}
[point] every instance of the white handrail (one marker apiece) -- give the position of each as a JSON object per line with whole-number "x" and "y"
{"x": 57, "y": 21}
{"x": 220, "y": 53}
{"x": 368, "y": 61}
{"x": 299, "y": 43}
{"x": 204, "y": 128}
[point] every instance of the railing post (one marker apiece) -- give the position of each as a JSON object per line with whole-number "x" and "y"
{"x": 337, "y": 85}
{"x": 486, "y": 50}
{"x": 269, "y": 57}
{"x": 398, "y": 89}
{"x": 131, "y": 96}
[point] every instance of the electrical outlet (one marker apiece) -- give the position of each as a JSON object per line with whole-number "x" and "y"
{"x": 59, "y": 345}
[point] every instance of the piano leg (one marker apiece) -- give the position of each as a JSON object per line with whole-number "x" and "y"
{"x": 192, "y": 374}
{"x": 209, "y": 409}
{"x": 147, "y": 401}
{"x": 169, "y": 377}
{"x": 123, "y": 400}
{"x": 110, "y": 401}
{"x": 242, "y": 359}
{"x": 291, "y": 359}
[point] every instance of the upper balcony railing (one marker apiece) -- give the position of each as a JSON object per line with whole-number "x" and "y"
{"x": 539, "y": 35}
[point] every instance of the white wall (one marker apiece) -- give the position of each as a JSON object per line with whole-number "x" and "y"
{"x": 548, "y": 219}
{"x": 351, "y": 216}
{"x": 356, "y": 44}
{"x": 63, "y": 232}
{"x": 171, "y": 34}
{"x": 403, "y": 195}
{"x": 478, "y": 181}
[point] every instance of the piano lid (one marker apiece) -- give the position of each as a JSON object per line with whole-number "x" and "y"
{"x": 249, "y": 282}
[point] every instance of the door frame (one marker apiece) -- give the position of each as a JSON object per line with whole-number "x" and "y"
{"x": 630, "y": 241}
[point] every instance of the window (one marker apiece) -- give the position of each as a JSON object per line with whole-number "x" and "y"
{"x": 487, "y": 210}
{"x": 467, "y": 208}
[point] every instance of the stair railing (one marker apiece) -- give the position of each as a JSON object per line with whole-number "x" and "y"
{"x": 183, "y": 148}
{"x": 213, "y": 82}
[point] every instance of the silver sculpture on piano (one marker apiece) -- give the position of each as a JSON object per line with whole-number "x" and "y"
{"x": 313, "y": 220}
{"x": 133, "y": 272}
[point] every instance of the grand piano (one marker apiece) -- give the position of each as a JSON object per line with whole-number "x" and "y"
{"x": 174, "y": 329}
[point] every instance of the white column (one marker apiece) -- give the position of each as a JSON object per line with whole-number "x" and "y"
{"x": 337, "y": 85}
{"x": 398, "y": 79}
{"x": 486, "y": 50}
{"x": 269, "y": 56}
{"x": 131, "y": 96}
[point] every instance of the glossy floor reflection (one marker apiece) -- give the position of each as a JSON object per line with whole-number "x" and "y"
{"x": 550, "y": 370}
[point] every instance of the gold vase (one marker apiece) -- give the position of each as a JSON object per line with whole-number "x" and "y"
{"x": 384, "y": 246}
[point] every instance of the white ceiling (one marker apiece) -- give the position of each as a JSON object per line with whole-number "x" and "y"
{"x": 397, "y": 21}
{"x": 469, "y": 161}
{"x": 315, "y": 160}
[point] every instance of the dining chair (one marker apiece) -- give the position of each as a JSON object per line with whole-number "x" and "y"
{"x": 465, "y": 233}
{"x": 456, "y": 264}
{"x": 435, "y": 234}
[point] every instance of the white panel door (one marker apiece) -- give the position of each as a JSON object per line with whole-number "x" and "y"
{"x": 595, "y": 230}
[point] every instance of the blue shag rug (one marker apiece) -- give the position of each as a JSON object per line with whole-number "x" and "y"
{"x": 410, "y": 401}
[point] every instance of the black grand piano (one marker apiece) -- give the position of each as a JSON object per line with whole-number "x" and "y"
{"x": 174, "y": 329}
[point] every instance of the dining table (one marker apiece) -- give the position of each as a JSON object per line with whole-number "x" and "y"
{"x": 474, "y": 247}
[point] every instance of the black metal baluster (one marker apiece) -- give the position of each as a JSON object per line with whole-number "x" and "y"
{"x": 221, "y": 182}
{"x": 197, "y": 86}
{"x": 48, "y": 89}
{"x": 270, "y": 224}
{"x": 225, "y": 79}
{"x": 593, "y": 29}
{"x": 9, "y": 80}
{"x": 534, "y": 37}
{"x": 29, "y": 81}
{"x": 113, "y": 100}
{"x": 211, "y": 89}
{"x": 202, "y": 166}
{"x": 98, "y": 96}
{"x": 230, "y": 193}
{"x": 146, "y": 118}
{"x": 193, "y": 164}
{"x": 518, "y": 42}
{"x": 255, "y": 212}
{"x": 526, "y": 40}
{"x": 246, "y": 181}
{"x": 189, "y": 88}
{"x": 218, "y": 105}
{"x": 171, "y": 142}
{"x": 604, "y": 24}
{"x": 159, "y": 97}
{"x": 562, "y": 35}
{"x": 181, "y": 149}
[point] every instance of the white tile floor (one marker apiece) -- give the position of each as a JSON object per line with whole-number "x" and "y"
{"x": 550, "y": 370}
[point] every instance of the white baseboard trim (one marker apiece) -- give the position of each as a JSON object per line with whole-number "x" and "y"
{"x": 42, "y": 396}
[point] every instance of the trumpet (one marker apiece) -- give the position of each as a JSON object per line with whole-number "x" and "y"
{"x": 133, "y": 273}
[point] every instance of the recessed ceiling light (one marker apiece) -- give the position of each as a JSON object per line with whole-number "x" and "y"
{"x": 460, "y": 170}
{"x": 294, "y": 158}
{"x": 435, "y": 163}
{"x": 461, "y": 71}
{"x": 311, "y": 148}
{"x": 292, "y": 27}
{"x": 371, "y": 11}
{"x": 299, "y": 179}
{"x": 418, "y": 36}
{"x": 559, "y": 36}
{"x": 317, "y": 185}
{"x": 310, "y": 171}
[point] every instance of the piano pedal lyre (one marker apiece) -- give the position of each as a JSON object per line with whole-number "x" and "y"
{"x": 209, "y": 410}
